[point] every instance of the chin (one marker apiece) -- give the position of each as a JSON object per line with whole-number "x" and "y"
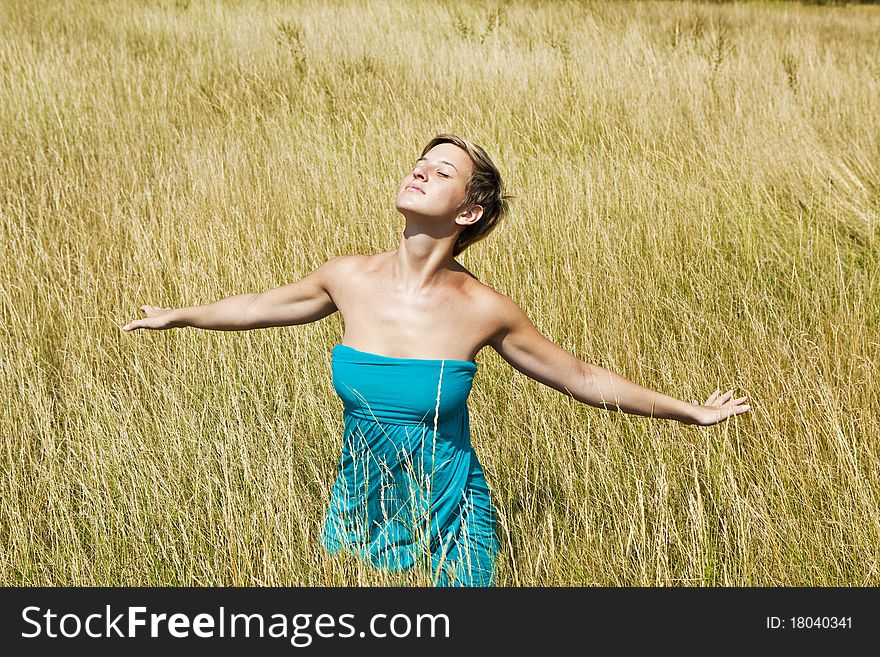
{"x": 404, "y": 203}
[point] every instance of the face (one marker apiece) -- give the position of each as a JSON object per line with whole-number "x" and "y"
{"x": 435, "y": 186}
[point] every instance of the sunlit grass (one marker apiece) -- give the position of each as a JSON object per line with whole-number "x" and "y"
{"x": 696, "y": 206}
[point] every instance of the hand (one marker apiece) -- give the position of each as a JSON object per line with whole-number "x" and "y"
{"x": 157, "y": 319}
{"x": 717, "y": 408}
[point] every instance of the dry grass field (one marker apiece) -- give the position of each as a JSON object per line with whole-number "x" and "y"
{"x": 697, "y": 205}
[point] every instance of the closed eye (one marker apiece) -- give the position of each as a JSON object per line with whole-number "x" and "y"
{"x": 445, "y": 175}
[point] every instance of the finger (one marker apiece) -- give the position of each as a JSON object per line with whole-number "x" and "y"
{"x": 727, "y": 395}
{"x": 712, "y": 397}
{"x": 739, "y": 410}
{"x": 736, "y": 402}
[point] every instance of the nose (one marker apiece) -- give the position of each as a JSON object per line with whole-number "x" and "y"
{"x": 419, "y": 173}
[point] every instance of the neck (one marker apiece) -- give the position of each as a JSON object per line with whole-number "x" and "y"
{"x": 422, "y": 262}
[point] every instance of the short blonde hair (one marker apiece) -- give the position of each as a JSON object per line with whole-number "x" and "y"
{"x": 485, "y": 188}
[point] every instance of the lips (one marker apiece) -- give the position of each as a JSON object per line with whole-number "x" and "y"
{"x": 418, "y": 189}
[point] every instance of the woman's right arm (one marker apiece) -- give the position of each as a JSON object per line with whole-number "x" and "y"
{"x": 302, "y": 302}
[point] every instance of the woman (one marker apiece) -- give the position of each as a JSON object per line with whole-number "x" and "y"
{"x": 410, "y": 491}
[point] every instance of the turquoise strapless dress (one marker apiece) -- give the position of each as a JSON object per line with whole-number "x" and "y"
{"x": 410, "y": 491}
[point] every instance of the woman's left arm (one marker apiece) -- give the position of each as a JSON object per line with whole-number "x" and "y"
{"x": 517, "y": 340}
{"x": 616, "y": 393}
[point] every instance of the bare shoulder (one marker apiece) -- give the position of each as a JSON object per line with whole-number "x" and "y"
{"x": 348, "y": 261}
{"x": 518, "y": 341}
{"x": 333, "y": 275}
{"x": 345, "y": 265}
{"x": 498, "y": 312}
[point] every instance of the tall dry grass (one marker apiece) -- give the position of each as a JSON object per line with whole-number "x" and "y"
{"x": 697, "y": 206}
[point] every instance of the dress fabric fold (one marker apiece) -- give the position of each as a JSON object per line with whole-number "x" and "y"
{"x": 410, "y": 491}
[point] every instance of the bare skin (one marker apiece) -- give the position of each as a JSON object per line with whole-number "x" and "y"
{"x": 382, "y": 318}
{"x": 418, "y": 302}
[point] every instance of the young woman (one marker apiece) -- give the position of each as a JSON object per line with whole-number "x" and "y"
{"x": 410, "y": 491}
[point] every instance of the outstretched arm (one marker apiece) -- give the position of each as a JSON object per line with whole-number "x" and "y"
{"x": 518, "y": 341}
{"x": 301, "y": 302}
{"x": 613, "y": 392}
